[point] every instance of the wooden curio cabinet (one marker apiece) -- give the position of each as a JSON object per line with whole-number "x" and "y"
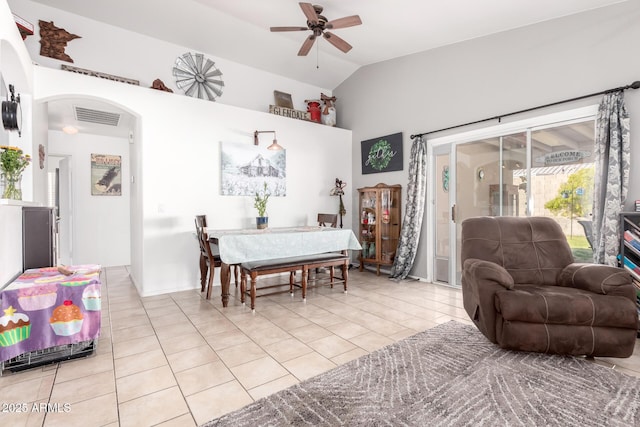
{"x": 379, "y": 221}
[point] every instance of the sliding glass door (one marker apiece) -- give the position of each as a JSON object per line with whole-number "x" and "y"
{"x": 561, "y": 175}
{"x": 542, "y": 170}
{"x": 485, "y": 181}
{"x": 442, "y": 215}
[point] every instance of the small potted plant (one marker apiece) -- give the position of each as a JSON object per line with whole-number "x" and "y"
{"x": 260, "y": 203}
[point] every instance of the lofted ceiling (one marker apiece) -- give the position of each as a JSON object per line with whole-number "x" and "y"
{"x": 239, "y": 30}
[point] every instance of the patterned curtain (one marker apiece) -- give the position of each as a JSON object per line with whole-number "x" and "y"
{"x": 612, "y": 159}
{"x": 412, "y": 222}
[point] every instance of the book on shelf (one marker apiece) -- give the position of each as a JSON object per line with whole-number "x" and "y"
{"x": 632, "y": 268}
{"x": 637, "y": 205}
{"x": 634, "y": 230}
{"x": 628, "y": 263}
{"x": 632, "y": 239}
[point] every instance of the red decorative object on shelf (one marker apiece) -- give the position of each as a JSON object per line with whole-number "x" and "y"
{"x": 25, "y": 27}
{"x": 313, "y": 107}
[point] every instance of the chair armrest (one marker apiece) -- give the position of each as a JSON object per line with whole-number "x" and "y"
{"x": 597, "y": 278}
{"x": 486, "y": 271}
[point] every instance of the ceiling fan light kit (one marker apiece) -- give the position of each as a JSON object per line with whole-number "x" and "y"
{"x": 319, "y": 25}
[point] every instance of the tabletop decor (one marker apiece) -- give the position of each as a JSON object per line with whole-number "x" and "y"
{"x": 260, "y": 203}
{"x": 12, "y": 163}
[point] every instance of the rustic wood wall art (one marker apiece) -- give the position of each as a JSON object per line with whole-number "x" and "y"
{"x": 53, "y": 41}
{"x": 99, "y": 75}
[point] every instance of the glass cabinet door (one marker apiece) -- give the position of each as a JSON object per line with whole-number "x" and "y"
{"x": 389, "y": 224}
{"x": 379, "y": 229}
{"x": 368, "y": 231}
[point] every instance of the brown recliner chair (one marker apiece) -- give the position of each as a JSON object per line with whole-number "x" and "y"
{"x": 523, "y": 291}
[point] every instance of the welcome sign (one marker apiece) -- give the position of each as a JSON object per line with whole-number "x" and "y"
{"x": 383, "y": 154}
{"x": 562, "y": 157}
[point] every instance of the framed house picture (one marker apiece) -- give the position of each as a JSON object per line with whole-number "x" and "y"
{"x": 246, "y": 169}
{"x": 382, "y": 154}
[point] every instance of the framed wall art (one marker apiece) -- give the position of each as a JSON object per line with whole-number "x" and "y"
{"x": 246, "y": 168}
{"x": 106, "y": 175}
{"x": 282, "y": 99}
{"x": 383, "y": 154}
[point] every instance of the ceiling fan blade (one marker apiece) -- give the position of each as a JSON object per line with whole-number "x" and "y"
{"x": 347, "y": 21}
{"x": 306, "y": 46}
{"x": 309, "y": 12}
{"x": 277, "y": 29}
{"x": 337, "y": 42}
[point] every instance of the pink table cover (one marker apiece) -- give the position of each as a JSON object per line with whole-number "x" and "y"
{"x": 43, "y": 308}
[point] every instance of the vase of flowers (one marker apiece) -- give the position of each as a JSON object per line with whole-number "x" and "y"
{"x": 260, "y": 203}
{"x": 12, "y": 163}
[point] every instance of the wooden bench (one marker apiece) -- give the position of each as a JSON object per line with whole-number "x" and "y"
{"x": 291, "y": 265}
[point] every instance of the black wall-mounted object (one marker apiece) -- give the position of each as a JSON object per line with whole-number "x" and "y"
{"x": 383, "y": 154}
{"x": 12, "y": 112}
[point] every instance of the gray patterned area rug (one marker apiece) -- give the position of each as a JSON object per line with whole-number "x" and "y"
{"x": 452, "y": 376}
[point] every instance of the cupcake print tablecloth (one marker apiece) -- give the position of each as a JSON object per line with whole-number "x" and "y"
{"x": 44, "y": 308}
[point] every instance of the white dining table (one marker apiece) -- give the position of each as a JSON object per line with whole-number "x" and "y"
{"x": 245, "y": 245}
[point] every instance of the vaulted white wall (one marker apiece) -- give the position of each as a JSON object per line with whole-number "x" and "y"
{"x": 175, "y": 165}
{"x": 510, "y": 71}
{"x": 174, "y": 160}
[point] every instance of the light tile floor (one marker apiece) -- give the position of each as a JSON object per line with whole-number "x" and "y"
{"x": 180, "y": 360}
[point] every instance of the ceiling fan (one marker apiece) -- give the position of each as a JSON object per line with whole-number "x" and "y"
{"x": 319, "y": 24}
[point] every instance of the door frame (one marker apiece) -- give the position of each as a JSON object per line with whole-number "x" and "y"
{"x": 437, "y": 145}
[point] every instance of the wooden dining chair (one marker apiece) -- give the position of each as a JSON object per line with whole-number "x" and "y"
{"x": 208, "y": 259}
{"x": 328, "y": 220}
{"x": 325, "y": 220}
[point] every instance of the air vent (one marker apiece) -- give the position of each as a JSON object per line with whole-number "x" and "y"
{"x": 96, "y": 116}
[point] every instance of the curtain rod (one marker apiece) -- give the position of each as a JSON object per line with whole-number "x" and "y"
{"x": 634, "y": 85}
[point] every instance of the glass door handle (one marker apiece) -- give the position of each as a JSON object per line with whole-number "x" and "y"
{"x": 453, "y": 213}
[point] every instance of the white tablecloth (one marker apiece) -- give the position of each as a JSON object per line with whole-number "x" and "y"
{"x": 238, "y": 246}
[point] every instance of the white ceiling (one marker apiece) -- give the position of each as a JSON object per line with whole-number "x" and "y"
{"x": 238, "y": 30}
